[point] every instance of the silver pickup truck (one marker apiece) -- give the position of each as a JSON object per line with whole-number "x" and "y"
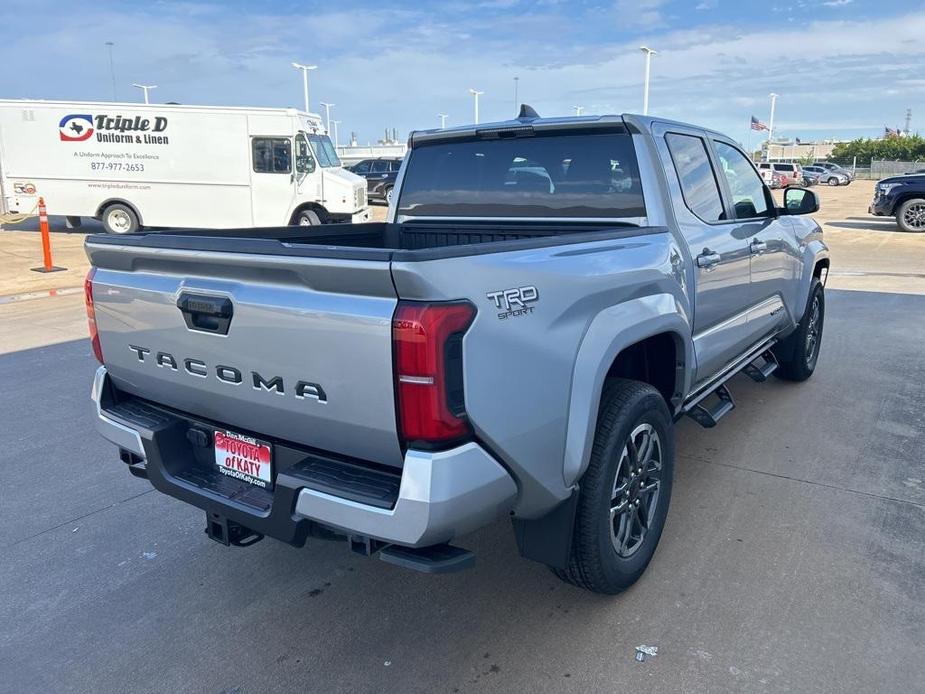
{"x": 547, "y": 297}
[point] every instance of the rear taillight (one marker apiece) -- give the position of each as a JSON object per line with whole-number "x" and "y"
{"x": 91, "y": 316}
{"x": 427, "y": 341}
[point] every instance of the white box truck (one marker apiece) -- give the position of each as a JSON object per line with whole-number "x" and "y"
{"x": 168, "y": 165}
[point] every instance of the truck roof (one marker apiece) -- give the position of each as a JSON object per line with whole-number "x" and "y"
{"x": 177, "y": 107}
{"x": 632, "y": 120}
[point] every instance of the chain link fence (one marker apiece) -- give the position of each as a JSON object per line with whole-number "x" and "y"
{"x": 881, "y": 168}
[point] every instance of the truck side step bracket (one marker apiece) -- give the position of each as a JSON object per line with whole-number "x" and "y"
{"x": 760, "y": 373}
{"x": 436, "y": 559}
{"x": 708, "y": 415}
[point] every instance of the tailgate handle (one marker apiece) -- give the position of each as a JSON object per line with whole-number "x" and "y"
{"x": 207, "y": 314}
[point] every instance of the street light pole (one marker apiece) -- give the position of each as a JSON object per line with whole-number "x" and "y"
{"x": 112, "y": 69}
{"x": 145, "y": 88}
{"x": 771, "y": 120}
{"x": 476, "y": 94}
{"x": 335, "y": 123}
{"x": 327, "y": 112}
{"x": 442, "y": 117}
{"x": 305, "y": 69}
{"x": 645, "y": 87}
{"x": 516, "y": 84}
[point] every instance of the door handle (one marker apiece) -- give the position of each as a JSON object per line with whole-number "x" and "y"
{"x": 707, "y": 259}
{"x": 758, "y": 247}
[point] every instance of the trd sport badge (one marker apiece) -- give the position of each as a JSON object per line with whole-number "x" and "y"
{"x": 517, "y": 301}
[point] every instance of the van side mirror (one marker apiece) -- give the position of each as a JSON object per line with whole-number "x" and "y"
{"x": 800, "y": 201}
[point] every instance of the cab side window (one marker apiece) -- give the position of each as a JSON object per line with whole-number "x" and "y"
{"x": 749, "y": 195}
{"x": 695, "y": 174}
{"x": 272, "y": 155}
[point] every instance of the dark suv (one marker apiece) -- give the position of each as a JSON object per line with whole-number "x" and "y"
{"x": 380, "y": 175}
{"x": 902, "y": 197}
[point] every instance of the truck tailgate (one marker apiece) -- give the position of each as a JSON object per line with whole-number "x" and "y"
{"x": 307, "y": 356}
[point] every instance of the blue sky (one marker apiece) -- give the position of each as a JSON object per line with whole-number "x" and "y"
{"x": 843, "y": 68}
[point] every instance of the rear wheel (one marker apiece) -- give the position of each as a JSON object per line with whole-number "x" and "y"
{"x": 625, "y": 491}
{"x": 802, "y": 346}
{"x": 120, "y": 219}
{"x": 911, "y": 215}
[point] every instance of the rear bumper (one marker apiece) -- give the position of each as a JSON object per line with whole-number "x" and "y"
{"x": 436, "y": 497}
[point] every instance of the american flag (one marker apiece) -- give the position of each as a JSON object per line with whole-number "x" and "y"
{"x": 758, "y": 125}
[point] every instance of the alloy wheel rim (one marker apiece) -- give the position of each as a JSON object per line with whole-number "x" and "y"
{"x": 636, "y": 490}
{"x": 812, "y": 332}
{"x": 914, "y": 216}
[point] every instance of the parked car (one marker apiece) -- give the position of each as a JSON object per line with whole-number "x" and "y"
{"x": 380, "y": 175}
{"x": 902, "y": 197}
{"x": 488, "y": 352}
{"x": 836, "y": 169}
{"x": 829, "y": 176}
{"x": 792, "y": 173}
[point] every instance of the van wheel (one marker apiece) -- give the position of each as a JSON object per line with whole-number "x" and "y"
{"x": 802, "y": 346}
{"x": 308, "y": 218}
{"x": 120, "y": 219}
{"x": 911, "y": 215}
{"x": 625, "y": 491}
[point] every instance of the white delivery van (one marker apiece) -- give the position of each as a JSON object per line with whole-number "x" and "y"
{"x": 168, "y": 165}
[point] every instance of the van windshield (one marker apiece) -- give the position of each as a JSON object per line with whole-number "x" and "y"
{"x": 558, "y": 175}
{"x": 324, "y": 150}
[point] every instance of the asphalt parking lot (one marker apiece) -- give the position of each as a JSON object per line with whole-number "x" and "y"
{"x": 793, "y": 559}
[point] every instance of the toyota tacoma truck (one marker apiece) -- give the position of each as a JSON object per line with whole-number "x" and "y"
{"x": 547, "y": 297}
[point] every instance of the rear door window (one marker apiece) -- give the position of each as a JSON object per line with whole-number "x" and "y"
{"x": 380, "y": 167}
{"x": 695, "y": 174}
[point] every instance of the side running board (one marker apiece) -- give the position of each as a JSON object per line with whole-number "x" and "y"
{"x": 760, "y": 373}
{"x": 708, "y": 416}
{"x": 758, "y": 365}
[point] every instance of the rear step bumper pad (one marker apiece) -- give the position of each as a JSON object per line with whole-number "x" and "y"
{"x": 442, "y": 494}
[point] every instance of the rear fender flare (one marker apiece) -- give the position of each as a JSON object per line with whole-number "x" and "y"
{"x": 613, "y": 330}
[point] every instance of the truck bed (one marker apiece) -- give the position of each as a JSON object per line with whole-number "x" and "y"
{"x": 379, "y": 240}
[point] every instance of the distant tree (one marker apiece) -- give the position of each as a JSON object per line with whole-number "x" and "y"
{"x": 910, "y": 148}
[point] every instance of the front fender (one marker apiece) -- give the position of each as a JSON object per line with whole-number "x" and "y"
{"x": 613, "y": 330}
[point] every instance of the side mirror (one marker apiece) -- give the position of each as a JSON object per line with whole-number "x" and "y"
{"x": 800, "y": 201}
{"x": 304, "y": 164}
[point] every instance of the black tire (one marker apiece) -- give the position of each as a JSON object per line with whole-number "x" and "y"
{"x": 798, "y": 354}
{"x": 120, "y": 219}
{"x": 833, "y": 181}
{"x": 911, "y": 215}
{"x": 308, "y": 218}
{"x": 602, "y": 560}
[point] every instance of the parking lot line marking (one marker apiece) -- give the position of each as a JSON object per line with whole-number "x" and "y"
{"x": 800, "y": 479}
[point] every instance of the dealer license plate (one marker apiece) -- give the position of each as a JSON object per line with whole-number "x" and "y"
{"x": 244, "y": 458}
